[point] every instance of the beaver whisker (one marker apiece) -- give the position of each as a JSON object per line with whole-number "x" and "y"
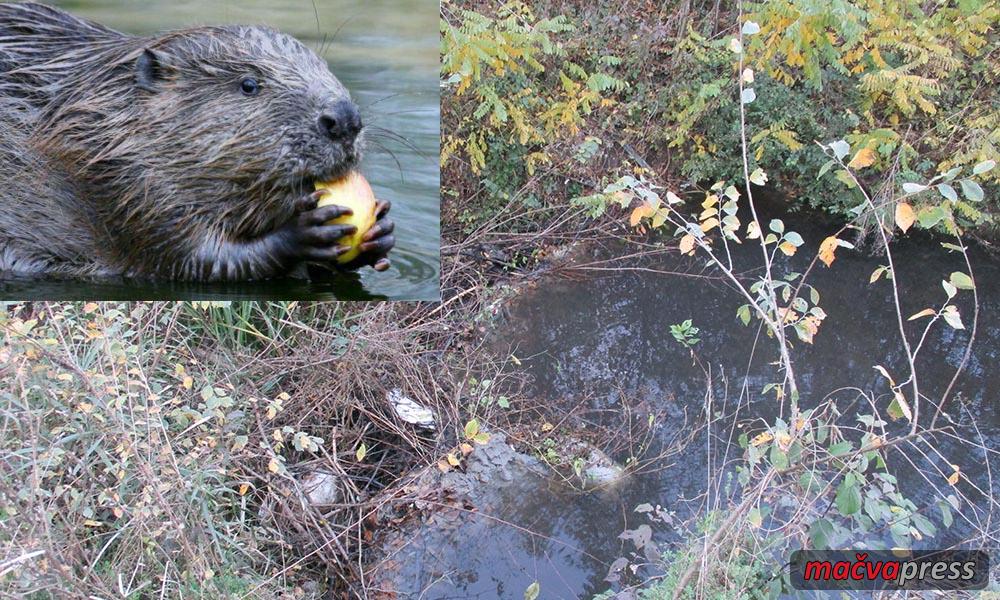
{"x": 383, "y": 133}
{"x": 392, "y": 155}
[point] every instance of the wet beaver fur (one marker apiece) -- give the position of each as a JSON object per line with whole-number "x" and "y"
{"x": 187, "y": 155}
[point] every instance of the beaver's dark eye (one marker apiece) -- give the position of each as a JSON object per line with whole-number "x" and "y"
{"x": 249, "y": 87}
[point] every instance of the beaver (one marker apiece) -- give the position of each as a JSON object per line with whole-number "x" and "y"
{"x": 188, "y": 155}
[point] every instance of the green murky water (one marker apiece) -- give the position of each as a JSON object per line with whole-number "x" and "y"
{"x": 386, "y": 53}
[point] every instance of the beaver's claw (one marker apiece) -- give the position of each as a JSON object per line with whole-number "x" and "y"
{"x": 377, "y": 241}
{"x": 307, "y": 236}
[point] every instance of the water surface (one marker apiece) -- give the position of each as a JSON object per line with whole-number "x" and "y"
{"x": 602, "y": 342}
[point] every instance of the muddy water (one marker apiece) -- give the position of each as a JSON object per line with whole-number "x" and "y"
{"x": 386, "y": 53}
{"x": 597, "y": 340}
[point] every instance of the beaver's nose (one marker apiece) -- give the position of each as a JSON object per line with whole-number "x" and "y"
{"x": 341, "y": 122}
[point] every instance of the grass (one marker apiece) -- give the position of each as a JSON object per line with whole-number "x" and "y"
{"x": 156, "y": 449}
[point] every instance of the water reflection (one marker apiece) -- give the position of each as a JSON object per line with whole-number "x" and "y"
{"x": 598, "y": 338}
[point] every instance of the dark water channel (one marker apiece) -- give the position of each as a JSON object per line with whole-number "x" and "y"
{"x": 603, "y": 341}
{"x": 386, "y": 53}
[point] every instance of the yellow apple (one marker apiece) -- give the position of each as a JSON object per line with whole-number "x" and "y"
{"x": 354, "y": 193}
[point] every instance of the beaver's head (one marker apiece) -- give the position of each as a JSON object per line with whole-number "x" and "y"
{"x": 220, "y": 127}
{"x": 254, "y": 99}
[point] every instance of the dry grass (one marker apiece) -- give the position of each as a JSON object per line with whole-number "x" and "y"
{"x": 159, "y": 450}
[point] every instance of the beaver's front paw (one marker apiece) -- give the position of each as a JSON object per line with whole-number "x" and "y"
{"x": 377, "y": 241}
{"x": 307, "y": 236}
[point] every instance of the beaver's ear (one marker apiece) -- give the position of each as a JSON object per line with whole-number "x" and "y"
{"x": 148, "y": 71}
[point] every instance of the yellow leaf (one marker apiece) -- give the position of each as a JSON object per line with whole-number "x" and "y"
{"x": 687, "y": 244}
{"x": 885, "y": 374}
{"x": 709, "y": 224}
{"x": 905, "y": 216}
{"x": 761, "y": 438}
{"x": 273, "y": 466}
{"x": 927, "y": 312}
{"x": 864, "y": 158}
{"x": 710, "y": 201}
{"x": 362, "y": 452}
{"x": 453, "y": 460}
{"x": 787, "y": 248}
{"x": 188, "y": 382}
{"x": 443, "y": 466}
{"x": 784, "y": 441}
{"x": 92, "y": 523}
{"x": 640, "y": 212}
{"x": 659, "y": 218}
{"x": 243, "y": 488}
{"x": 548, "y": 427}
{"x": 953, "y": 478}
{"x": 466, "y": 448}
{"x": 90, "y": 307}
{"x": 827, "y": 249}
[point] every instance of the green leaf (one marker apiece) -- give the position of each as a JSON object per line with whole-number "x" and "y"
{"x": 820, "y": 534}
{"x": 794, "y": 239}
{"x": 531, "y": 593}
{"x": 952, "y": 317}
{"x": 961, "y": 281}
{"x": 844, "y": 177}
{"x": 779, "y": 460}
{"x": 776, "y": 225}
{"x": 923, "y": 524}
{"x": 913, "y": 188}
{"x": 743, "y": 313}
{"x": 758, "y": 177}
{"x": 951, "y": 173}
{"x": 750, "y": 28}
{"x": 948, "y": 192}
{"x": 848, "y": 498}
{"x": 471, "y": 428}
{"x": 840, "y": 448}
{"x": 971, "y": 190}
{"x": 946, "y": 516}
{"x": 840, "y": 148}
{"x": 898, "y": 409}
{"x": 826, "y": 167}
{"x": 983, "y": 167}
{"x": 748, "y": 96}
{"x": 361, "y": 453}
{"x": 929, "y": 217}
